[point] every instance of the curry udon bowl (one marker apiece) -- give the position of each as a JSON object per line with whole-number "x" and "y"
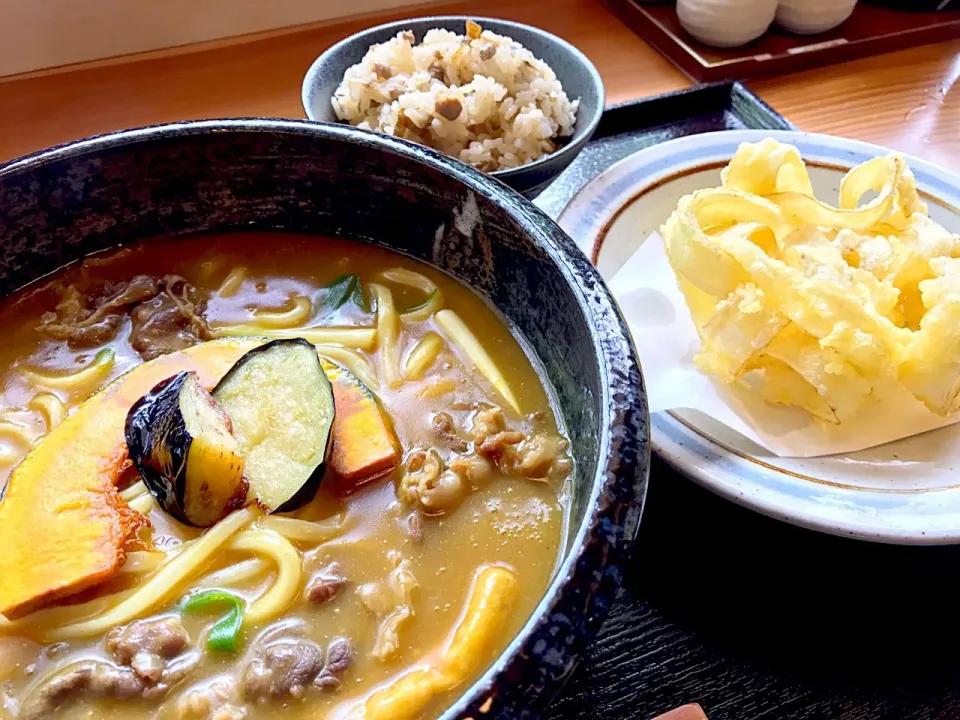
{"x": 280, "y": 210}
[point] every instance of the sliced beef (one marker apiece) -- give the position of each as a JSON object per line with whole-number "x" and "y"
{"x": 165, "y": 313}
{"x": 544, "y": 458}
{"x": 105, "y": 680}
{"x": 475, "y": 470}
{"x": 427, "y": 485}
{"x": 58, "y": 690}
{"x": 491, "y": 436}
{"x": 391, "y": 600}
{"x": 323, "y": 586}
{"x": 339, "y": 658}
{"x": 446, "y": 432}
{"x": 90, "y": 314}
{"x": 147, "y": 645}
{"x": 170, "y": 321}
{"x": 537, "y": 455}
{"x": 387, "y": 643}
{"x": 174, "y": 671}
{"x": 82, "y": 337}
{"x": 285, "y": 667}
{"x": 435, "y": 484}
{"x": 99, "y": 679}
{"x": 288, "y": 667}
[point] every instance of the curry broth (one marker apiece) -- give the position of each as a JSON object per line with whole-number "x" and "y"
{"x": 511, "y": 521}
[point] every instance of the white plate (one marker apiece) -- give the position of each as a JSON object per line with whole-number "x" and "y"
{"x": 905, "y": 492}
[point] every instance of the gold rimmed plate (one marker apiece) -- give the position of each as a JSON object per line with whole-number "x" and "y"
{"x": 905, "y": 492}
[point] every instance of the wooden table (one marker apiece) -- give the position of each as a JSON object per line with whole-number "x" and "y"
{"x": 751, "y": 618}
{"x": 902, "y": 100}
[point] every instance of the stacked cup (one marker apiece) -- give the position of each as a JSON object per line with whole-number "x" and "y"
{"x": 729, "y": 23}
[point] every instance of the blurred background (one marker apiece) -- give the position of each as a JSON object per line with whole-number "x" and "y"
{"x": 39, "y": 34}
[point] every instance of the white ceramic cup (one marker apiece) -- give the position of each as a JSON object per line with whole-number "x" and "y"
{"x": 726, "y": 23}
{"x": 809, "y": 17}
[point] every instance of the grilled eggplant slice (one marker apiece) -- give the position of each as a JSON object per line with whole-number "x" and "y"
{"x": 282, "y": 408}
{"x": 182, "y": 444}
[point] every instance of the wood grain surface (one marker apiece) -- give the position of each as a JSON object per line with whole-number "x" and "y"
{"x": 262, "y": 77}
{"x": 750, "y": 618}
{"x": 871, "y": 30}
{"x": 902, "y": 100}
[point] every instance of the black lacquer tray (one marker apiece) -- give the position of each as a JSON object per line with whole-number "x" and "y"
{"x": 632, "y": 126}
{"x": 753, "y": 618}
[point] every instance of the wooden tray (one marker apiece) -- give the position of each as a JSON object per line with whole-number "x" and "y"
{"x": 870, "y": 31}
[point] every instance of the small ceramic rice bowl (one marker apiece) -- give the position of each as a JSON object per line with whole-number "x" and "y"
{"x": 519, "y": 113}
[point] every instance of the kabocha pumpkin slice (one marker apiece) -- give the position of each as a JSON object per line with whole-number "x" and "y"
{"x": 63, "y": 526}
{"x": 282, "y": 409}
{"x": 182, "y": 444}
{"x": 365, "y": 445}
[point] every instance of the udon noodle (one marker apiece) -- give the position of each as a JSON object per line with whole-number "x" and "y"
{"x": 435, "y": 528}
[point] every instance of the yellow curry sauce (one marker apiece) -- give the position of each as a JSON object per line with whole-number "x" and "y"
{"x": 388, "y": 552}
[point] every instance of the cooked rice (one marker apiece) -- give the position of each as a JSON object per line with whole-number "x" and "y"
{"x": 482, "y": 98}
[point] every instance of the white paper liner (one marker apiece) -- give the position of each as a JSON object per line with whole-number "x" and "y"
{"x": 667, "y": 341}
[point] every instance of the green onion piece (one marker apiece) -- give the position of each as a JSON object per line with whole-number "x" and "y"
{"x": 419, "y": 305}
{"x": 360, "y": 298}
{"x": 104, "y": 357}
{"x": 346, "y": 288}
{"x": 222, "y": 637}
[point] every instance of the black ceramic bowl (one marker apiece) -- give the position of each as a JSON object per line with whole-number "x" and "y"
{"x": 61, "y": 204}
{"x": 576, "y": 73}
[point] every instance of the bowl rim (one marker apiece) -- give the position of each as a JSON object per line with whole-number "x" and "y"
{"x": 612, "y": 513}
{"x": 576, "y": 141}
